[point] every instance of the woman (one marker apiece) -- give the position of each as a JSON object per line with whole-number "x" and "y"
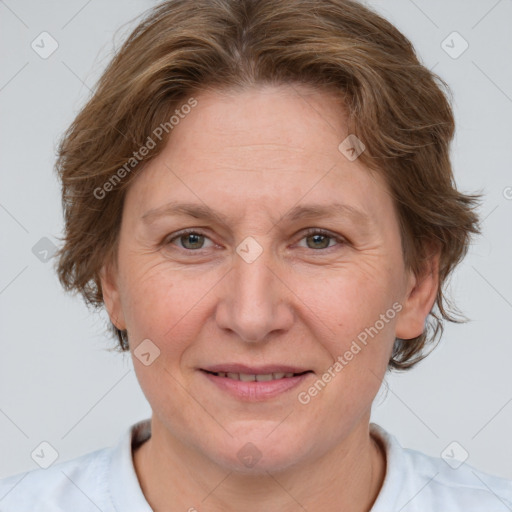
{"x": 260, "y": 194}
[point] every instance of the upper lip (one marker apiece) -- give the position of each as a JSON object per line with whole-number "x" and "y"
{"x": 254, "y": 370}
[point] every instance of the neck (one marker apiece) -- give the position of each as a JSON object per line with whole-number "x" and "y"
{"x": 347, "y": 478}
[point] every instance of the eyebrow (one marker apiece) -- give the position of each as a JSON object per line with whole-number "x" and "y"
{"x": 201, "y": 211}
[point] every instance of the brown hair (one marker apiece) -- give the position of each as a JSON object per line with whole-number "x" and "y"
{"x": 395, "y": 105}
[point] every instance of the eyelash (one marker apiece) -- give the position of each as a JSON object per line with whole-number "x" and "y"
{"x": 307, "y": 233}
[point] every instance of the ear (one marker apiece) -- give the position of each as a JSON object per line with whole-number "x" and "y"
{"x": 111, "y": 294}
{"x": 420, "y": 296}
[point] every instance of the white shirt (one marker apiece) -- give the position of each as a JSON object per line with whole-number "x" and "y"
{"x": 105, "y": 480}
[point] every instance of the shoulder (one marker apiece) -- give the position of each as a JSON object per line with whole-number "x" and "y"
{"x": 77, "y": 484}
{"x": 464, "y": 487}
{"x": 417, "y": 482}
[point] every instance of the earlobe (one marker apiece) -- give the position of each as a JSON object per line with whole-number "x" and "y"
{"x": 111, "y": 295}
{"x": 420, "y": 297}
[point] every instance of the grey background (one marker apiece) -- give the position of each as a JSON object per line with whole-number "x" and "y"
{"x": 58, "y": 381}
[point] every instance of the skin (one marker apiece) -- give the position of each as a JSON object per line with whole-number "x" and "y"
{"x": 252, "y": 155}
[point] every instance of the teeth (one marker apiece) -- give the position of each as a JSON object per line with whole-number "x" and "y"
{"x": 246, "y": 377}
{"x": 262, "y": 378}
{"x": 249, "y": 377}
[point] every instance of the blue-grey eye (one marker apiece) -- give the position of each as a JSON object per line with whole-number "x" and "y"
{"x": 320, "y": 241}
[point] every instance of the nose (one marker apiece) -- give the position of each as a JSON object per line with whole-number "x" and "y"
{"x": 254, "y": 300}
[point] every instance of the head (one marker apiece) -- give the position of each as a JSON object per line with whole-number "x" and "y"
{"x": 246, "y": 109}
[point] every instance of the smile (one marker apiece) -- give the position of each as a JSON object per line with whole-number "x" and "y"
{"x": 251, "y": 377}
{"x": 254, "y": 387}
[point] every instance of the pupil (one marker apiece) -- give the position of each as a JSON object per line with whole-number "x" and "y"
{"x": 317, "y": 237}
{"x": 195, "y": 238}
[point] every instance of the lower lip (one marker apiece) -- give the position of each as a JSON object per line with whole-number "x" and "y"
{"x": 254, "y": 390}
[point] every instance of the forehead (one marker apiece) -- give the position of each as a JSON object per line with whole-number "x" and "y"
{"x": 267, "y": 147}
{"x": 286, "y": 121}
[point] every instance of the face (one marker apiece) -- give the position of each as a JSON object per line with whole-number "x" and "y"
{"x": 290, "y": 271}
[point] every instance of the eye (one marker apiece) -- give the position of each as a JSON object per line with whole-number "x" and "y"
{"x": 194, "y": 240}
{"x": 191, "y": 240}
{"x": 320, "y": 239}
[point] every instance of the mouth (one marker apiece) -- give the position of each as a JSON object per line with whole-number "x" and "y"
{"x": 255, "y": 384}
{"x": 257, "y": 377}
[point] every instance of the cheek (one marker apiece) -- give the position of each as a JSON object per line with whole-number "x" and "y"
{"x": 159, "y": 306}
{"x": 354, "y": 319}
{"x": 349, "y": 300}
{"x": 165, "y": 304}
{"x": 149, "y": 302}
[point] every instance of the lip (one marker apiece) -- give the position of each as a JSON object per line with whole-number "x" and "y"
{"x": 255, "y": 391}
{"x": 256, "y": 370}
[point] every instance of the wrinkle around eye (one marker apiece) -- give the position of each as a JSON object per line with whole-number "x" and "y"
{"x": 180, "y": 235}
{"x": 336, "y": 241}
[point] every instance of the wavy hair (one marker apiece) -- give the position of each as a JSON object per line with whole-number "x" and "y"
{"x": 398, "y": 107}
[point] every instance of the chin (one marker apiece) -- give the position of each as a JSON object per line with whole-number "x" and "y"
{"x": 250, "y": 460}
{"x": 256, "y": 452}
